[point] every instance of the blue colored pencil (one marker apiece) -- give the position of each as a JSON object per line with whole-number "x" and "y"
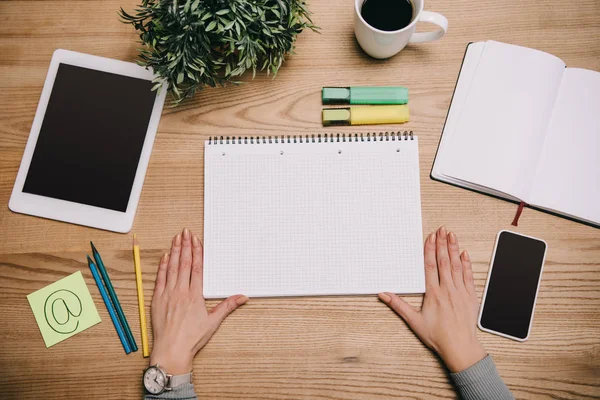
{"x": 109, "y": 306}
{"x": 113, "y": 297}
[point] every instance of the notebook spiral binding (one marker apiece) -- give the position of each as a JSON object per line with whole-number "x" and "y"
{"x": 314, "y": 138}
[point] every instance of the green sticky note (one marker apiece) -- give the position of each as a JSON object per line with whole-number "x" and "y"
{"x": 63, "y": 309}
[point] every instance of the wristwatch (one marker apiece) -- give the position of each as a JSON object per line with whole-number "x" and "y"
{"x": 156, "y": 380}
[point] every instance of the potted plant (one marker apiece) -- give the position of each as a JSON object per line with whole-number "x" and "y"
{"x": 195, "y": 43}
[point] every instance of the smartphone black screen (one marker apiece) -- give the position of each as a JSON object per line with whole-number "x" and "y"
{"x": 513, "y": 284}
{"x": 92, "y": 137}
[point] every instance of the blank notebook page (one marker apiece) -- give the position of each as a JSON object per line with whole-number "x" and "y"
{"x": 503, "y": 119}
{"x": 300, "y": 219}
{"x": 568, "y": 175}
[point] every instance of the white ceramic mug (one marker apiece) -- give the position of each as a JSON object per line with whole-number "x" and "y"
{"x": 384, "y": 44}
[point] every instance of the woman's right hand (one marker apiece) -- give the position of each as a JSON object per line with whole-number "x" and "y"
{"x": 447, "y": 321}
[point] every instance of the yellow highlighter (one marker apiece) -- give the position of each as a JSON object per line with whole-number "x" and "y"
{"x": 366, "y": 115}
{"x": 140, "y": 292}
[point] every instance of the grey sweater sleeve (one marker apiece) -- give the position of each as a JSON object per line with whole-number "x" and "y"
{"x": 481, "y": 381}
{"x": 181, "y": 392}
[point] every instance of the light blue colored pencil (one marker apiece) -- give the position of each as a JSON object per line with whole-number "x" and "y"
{"x": 113, "y": 298}
{"x": 109, "y": 306}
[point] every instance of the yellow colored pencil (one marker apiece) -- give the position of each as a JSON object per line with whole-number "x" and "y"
{"x": 140, "y": 291}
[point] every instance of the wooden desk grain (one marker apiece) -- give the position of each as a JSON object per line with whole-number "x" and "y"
{"x": 297, "y": 348}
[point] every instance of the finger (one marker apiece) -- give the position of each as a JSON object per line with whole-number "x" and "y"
{"x": 185, "y": 261}
{"x": 226, "y": 307}
{"x": 432, "y": 279}
{"x": 455, "y": 262}
{"x": 443, "y": 259}
{"x": 173, "y": 266}
{"x": 403, "y": 309}
{"x": 468, "y": 272}
{"x": 161, "y": 275}
{"x": 197, "y": 279}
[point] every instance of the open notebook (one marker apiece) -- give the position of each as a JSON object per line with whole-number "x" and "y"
{"x": 523, "y": 127}
{"x": 312, "y": 215}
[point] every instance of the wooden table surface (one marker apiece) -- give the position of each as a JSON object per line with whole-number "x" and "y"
{"x": 294, "y": 348}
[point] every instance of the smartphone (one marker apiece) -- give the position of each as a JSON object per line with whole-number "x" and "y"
{"x": 512, "y": 285}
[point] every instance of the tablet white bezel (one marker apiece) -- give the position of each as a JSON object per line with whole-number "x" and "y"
{"x": 68, "y": 211}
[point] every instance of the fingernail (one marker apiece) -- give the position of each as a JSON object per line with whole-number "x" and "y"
{"x": 178, "y": 239}
{"x": 165, "y": 257}
{"x": 466, "y": 256}
{"x": 186, "y": 234}
{"x": 196, "y": 241}
{"x": 241, "y": 300}
{"x": 432, "y": 238}
{"x": 452, "y": 238}
{"x": 442, "y": 232}
{"x": 384, "y": 297}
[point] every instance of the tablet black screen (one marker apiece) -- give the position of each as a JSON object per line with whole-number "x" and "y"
{"x": 91, "y": 138}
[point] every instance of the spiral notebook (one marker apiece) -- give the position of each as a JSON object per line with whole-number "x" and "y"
{"x": 312, "y": 215}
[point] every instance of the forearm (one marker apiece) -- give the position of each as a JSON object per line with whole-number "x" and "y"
{"x": 481, "y": 381}
{"x": 181, "y": 392}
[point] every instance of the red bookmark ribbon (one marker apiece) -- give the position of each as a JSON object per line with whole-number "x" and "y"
{"x": 518, "y": 214}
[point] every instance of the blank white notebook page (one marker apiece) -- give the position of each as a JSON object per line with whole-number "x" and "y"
{"x": 568, "y": 175}
{"x": 300, "y": 219}
{"x": 500, "y": 132}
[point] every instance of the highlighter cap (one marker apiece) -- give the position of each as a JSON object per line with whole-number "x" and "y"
{"x": 336, "y": 95}
{"x": 365, "y": 95}
{"x": 336, "y": 116}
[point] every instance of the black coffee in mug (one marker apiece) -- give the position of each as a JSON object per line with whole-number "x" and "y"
{"x": 387, "y": 15}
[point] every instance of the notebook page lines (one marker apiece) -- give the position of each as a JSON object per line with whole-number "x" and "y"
{"x": 308, "y": 224}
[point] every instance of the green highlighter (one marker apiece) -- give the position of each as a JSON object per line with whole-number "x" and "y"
{"x": 365, "y": 95}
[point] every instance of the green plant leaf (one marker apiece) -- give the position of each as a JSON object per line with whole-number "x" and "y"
{"x": 229, "y": 25}
{"x": 211, "y": 26}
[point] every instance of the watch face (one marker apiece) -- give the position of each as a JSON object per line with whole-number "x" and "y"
{"x": 154, "y": 380}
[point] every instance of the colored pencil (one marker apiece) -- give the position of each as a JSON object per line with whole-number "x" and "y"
{"x": 140, "y": 292}
{"x": 109, "y": 307}
{"x": 114, "y": 298}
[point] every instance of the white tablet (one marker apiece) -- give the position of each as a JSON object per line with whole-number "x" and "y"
{"x": 90, "y": 142}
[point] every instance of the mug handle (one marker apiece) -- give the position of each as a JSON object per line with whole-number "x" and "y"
{"x": 434, "y": 18}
